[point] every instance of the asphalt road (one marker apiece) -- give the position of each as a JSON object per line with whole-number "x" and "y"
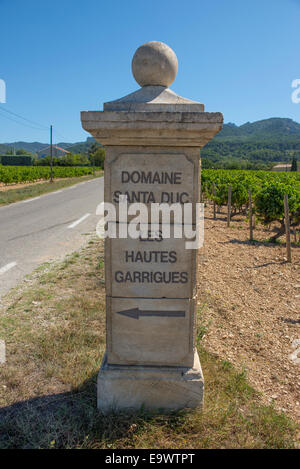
{"x": 46, "y": 228}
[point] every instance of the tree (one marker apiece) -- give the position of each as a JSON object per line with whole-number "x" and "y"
{"x": 97, "y": 157}
{"x": 69, "y": 159}
{"x": 269, "y": 203}
{"x": 21, "y": 151}
{"x": 294, "y": 164}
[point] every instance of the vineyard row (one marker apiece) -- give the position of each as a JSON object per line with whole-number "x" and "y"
{"x": 17, "y": 174}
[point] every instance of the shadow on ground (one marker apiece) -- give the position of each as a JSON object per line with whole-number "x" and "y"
{"x": 289, "y": 320}
{"x": 71, "y": 420}
{"x": 257, "y": 243}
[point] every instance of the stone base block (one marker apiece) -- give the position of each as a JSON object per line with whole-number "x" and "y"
{"x": 124, "y": 387}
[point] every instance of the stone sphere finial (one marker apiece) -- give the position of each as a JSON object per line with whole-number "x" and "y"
{"x": 154, "y": 63}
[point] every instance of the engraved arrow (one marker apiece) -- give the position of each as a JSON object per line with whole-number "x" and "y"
{"x": 135, "y": 313}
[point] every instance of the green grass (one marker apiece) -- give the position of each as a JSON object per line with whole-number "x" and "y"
{"x": 54, "y": 328}
{"x": 202, "y": 325}
{"x": 34, "y": 190}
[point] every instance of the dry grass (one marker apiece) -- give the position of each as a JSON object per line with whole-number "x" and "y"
{"x": 54, "y": 328}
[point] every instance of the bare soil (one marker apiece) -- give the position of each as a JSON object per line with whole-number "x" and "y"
{"x": 250, "y": 299}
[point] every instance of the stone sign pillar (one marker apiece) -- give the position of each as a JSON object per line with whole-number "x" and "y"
{"x": 153, "y": 139}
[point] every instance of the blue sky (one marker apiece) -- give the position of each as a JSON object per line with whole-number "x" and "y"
{"x": 57, "y": 58}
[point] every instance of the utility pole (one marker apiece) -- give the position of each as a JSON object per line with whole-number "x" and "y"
{"x": 51, "y": 156}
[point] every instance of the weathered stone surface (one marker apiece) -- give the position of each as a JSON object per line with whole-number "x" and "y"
{"x": 170, "y": 182}
{"x": 133, "y": 387}
{"x": 154, "y": 63}
{"x": 152, "y": 169}
{"x": 153, "y": 139}
{"x": 155, "y": 99}
{"x": 144, "y": 268}
{"x": 171, "y": 129}
{"x": 144, "y": 331}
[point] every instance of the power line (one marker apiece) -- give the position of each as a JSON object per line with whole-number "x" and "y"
{"x": 43, "y": 127}
{"x": 22, "y": 123}
{"x": 40, "y": 127}
{"x": 59, "y": 134}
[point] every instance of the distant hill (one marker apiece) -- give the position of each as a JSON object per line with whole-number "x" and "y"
{"x": 275, "y": 127}
{"x": 256, "y": 145}
{"x": 252, "y": 145}
{"x": 34, "y": 147}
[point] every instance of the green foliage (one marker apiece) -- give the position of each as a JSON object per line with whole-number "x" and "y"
{"x": 97, "y": 156}
{"x": 16, "y": 160}
{"x": 21, "y": 151}
{"x": 269, "y": 200}
{"x": 14, "y": 174}
{"x": 252, "y": 146}
{"x": 202, "y": 327}
{"x": 267, "y": 188}
{"x": 69, "y": 159}
{"x": 294, "y": 164}
{"x": 256, "y": 145}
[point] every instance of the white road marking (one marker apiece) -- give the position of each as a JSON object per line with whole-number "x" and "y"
{"x": 30, "y": 200}
{"x": 75, "y": 223}
{"x": 7, "y": 267}
{"x": 100, "y": 209}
